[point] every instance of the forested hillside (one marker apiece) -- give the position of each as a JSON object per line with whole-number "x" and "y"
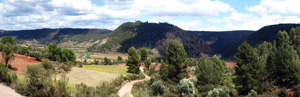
{"x": 153, "y": 36}
{"x": 267, "y": 33}
{"x": 65, "y": 37}
{"x": 218, "y": 40}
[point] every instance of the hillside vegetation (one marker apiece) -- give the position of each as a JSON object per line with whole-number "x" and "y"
{"x": 219, "y": 40}
{"x": 267, "y": 33}
{"x": 150, "y": 35}
{"x": 66, "y": 37}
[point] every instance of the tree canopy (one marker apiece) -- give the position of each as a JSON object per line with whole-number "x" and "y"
{"x": 133, "y": 62}
{"x": 249, "y": 69}
{"x": 176, "y": 55}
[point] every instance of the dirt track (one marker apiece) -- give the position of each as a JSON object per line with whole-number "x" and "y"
{"x": 8, "y": 92}
{"x": 125, "y": 91}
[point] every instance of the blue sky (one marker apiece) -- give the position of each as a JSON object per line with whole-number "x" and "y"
{"x": 213, "y": 15}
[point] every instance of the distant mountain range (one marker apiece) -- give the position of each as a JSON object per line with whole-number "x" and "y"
{"x": 153, "y": 36}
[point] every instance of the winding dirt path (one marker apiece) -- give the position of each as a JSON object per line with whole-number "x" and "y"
{"x": 6, "y": 91}
{"x": 125, "y": 91}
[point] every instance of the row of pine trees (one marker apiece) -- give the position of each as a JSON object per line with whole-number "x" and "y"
{"x": 276, "y": 64}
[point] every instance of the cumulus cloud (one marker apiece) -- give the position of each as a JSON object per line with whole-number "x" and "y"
{"x": 180, "y": 8}
{"x": 267, "y": 12}
{"x": 277, "y": 6}
{"x": 32, "y": 14}
{"x": 254, "y": 23}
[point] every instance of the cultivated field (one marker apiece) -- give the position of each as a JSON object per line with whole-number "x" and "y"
{"x": 89, "y": 77}
{"x": 110, "y": 56}
{"x": 118, "y": 69}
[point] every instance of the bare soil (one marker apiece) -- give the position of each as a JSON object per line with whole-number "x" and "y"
{"x": 230, "y": 64}
{"x": 20, "y": 62}
{"x": 125, "y": 91}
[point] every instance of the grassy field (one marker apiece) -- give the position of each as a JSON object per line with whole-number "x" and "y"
{"x": 89, "y": 77}
{"x": 110, "y": 56}
{"x": 107, "y": 68}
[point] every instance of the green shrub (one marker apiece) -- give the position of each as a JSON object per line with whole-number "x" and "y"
{"x": 283, "y": 93}
{"x": 48, "y": 65}
{"x": 152, "y": 70}
{"x": 6, "y": 75}
{"x": 23, "y": 50}
{"x": 107, "y": 61}
{"x": 147, "y": 63}
{"x": 39, "y": 82}
{"x": 36, "y": 54}
{"x": 104, "y": 89}
{"x": 22, "y": 89}
{"x": 158, "y": 88}
{"x": 96, "y": 61}
{"x": 65, "y": 67}
{"x": 218, "y": 92}
{"x": 186, "y": 88}
{"x": 297, "y": 91}
{"x": 119, "y": 58}
{"x": 141, "y": 93}
{"x": 82, "y": 90}
{"x": 62, "y": 89}
{"x": 252, "y": 93}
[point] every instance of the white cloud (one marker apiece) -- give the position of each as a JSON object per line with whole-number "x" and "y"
{"x": 255, "y": 23}
{"x": 180, "y": 8}
{"x": 277, "y": 6}
{"x": 257, "y": 9}
{"x": 32, "y": 14}
{"x": 187, "y": 25}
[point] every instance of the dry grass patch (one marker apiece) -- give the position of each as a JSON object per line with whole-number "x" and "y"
{"x": 89, "y": 77}
{"x": 110, "y": 56}
{"x": 119, "y": 69}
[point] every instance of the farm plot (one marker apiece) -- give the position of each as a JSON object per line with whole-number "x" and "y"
{"x": 89, "y": 77}
{"x": 110, "y": 56}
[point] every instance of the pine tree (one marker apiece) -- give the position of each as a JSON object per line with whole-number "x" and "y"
{"x": 271, "y": 63}
{"x": 209, "y": 73}
{"x": 249, "y": 69}
{"x": 133, "y": 61}
{"x": 264, "y": 50}
{"x": 163, "y": 71}
{"x": 143, "y": 54}
{"x": 295, "y": 38}
{"x": 286, "y": 60}
{"x": 176, "y": 55}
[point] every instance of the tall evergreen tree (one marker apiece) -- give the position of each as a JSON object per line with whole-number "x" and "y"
{"x": 286, "y": 60}
{"x": 143, "y": 54}
{"x": 133, "y": 61}
{"x": 271, "y": 63}
{"x": 176, "y": 55}
{"x": 249, "y": 69}
{"x": 295, "y": 38}
{"x": 264, "y": 50}
{"x": 209, "y": 73}
{"x": 163, "y": 71}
